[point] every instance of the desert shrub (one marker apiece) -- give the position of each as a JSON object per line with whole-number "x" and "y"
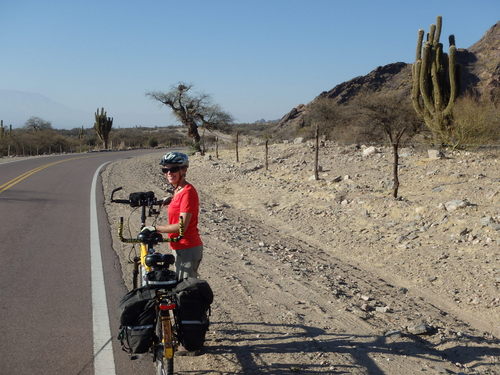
{"x": 153, "y": 142}
{"x": 323, "y": 113}
{"x": 475, "y": 122}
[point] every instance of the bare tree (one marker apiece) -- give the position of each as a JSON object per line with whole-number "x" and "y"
{"x": 394, "y": 114}
{"x": 36, "y": 123}
{"x": 192, "y": 110}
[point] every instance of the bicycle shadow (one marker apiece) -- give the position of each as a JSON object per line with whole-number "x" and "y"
{"x": 253, "y": 340}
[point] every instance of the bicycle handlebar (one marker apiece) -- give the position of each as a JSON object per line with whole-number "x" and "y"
{"x": 139, "y": 199}
{"x": 157, "y": 239}
{"x": 143, "y": 200}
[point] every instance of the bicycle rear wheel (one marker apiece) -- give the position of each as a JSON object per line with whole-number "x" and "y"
{"x": 164, "y": 366}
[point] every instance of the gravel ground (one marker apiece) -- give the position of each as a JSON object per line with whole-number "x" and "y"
{"x": 335, "y": 276}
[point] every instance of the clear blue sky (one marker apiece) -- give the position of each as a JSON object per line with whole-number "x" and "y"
{"x": 257, "y": 58}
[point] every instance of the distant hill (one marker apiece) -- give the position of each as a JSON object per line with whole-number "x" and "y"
{"x": 18, "y": 106}
{"x": 480, "y": 73}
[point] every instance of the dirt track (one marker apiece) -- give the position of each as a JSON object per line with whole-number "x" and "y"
{"x": 336, "y": 277}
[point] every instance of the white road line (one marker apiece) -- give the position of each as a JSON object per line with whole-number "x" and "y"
{"x": 104, "y": 363}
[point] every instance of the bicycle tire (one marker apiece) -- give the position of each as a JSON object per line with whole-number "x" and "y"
{"x": 164, "y": 366}
{"x": 142, "y": 276}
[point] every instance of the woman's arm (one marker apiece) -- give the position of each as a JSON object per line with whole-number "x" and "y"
{"x": 174, "y": 228}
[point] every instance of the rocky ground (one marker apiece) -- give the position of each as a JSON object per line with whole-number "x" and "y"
{"x": 335, "y": 276}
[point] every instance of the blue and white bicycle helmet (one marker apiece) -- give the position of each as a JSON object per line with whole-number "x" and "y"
{"x": 176, "y": 158}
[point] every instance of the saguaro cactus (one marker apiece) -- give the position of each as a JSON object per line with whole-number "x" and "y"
{"x": 103, "y": 126}
{"x": 2, "y": 130}
{"x": 435, "y": 82}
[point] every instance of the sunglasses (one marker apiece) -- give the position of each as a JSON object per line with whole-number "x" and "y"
{"x": 171, "y": 170}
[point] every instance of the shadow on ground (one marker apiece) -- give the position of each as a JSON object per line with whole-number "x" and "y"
{"x": 252, "y": 341}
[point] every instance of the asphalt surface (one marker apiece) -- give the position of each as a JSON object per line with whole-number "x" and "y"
{"x": 45, "y": 269}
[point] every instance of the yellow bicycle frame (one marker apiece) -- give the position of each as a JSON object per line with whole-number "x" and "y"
{"x": 167, "y": 337}
{"x": 144, "y": 248}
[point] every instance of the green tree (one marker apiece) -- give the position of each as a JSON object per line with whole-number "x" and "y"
{"x": 192, "y": 110}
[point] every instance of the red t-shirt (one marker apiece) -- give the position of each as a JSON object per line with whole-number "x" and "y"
{"x": 187, "y": 201}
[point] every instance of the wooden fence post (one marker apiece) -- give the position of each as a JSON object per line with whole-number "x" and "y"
{"x": 267, "y": 154}
{"x": 237, "y": 154}
{"x": 316, "y": 156}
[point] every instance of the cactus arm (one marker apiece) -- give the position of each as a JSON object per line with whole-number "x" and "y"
{"x": 452, "y": 67}
{"x": 432, "y": 33}
{"x": 436, "y": 70}
{"x": 437, "y": 30}
{"x": 420, "y": 38}
{"x": 425, "y": 87}
{"x": 415, "y": 89}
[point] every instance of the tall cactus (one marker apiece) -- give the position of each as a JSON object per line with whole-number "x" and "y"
{"x": 2, "y": 130}
{"x": 102, "y": 126}
{"x": 435, "y": 82}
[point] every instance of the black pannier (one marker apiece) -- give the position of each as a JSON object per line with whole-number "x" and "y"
{"x": 137, "y": 321}
{"x": 194, "y": 297}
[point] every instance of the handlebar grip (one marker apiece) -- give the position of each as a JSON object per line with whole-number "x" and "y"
{"x": 181, "y": 232}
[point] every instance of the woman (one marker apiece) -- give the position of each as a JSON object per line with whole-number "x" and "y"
{"x": 188, "y": 251}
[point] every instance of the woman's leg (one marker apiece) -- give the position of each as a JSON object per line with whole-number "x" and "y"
{"x": 187, "y": 262}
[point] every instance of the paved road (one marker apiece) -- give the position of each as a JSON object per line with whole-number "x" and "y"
{"x": 46, "y": 309}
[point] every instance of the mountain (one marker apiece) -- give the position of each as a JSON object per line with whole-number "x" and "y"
{"x": 17, "y": 106}
{"x": 481, "y": 64}
{"x": 480, "y": 73}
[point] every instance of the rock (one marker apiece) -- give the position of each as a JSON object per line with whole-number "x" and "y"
{"x": 365, "y": 307}
{"x": 298, "y": 140}
{"x": 393, "y": 332}
{"x": 487, "y": 221}
{"x": 252, "y": 169}
{"x": 337, "y": 179}
{"x": 369, "y": 151}
{"x": 456, "y": 204}
{"x": 421, "y": 329}
{"x": 435, "y": 154}
{"x": 207, "y": 157}
{"x": 419, "y": 210}
{"x": 383, "y": 309}
{"x": 492, "y": 195}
